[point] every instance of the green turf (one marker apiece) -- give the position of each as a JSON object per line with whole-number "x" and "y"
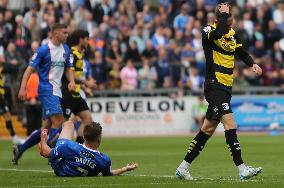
{"x": 158, "y": 159}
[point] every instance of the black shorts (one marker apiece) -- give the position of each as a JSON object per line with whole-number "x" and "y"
{"x": 3, "y": 105}
{"x": 72, "y": 104}
{"x": 219, "y": 103}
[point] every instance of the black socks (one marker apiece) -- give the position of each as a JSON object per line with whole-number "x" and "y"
{"x": 10, "y": 128}
{"x": 198, "y": 143}
{"x": 234, "y": 146}
{"x": 196, "y": 146}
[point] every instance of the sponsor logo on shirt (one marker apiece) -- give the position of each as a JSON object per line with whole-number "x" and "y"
{"x": 207, "y": 29}
{"x": 47, "y": 112}
{"x": 71, "y": 59}
{"x": 57, "y": 63}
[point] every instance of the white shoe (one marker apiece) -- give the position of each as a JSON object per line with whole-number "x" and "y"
{"x": 183, "y": 174}
{"x": 249, "y": 172}
{"x": 17, "y": 140}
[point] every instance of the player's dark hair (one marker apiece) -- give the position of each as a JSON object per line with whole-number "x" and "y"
{"x": 92, "y": 132}
{"x": 58, "y": 26}
{"x": 218, "y": 14}
{"x": 74, "y": 38}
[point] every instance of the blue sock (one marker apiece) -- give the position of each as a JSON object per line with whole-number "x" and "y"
{"x": 58, "y": 130}
{"x": 52, "y": 133}
{"x": 77, "y": 125}
{"x": 32, "y": 140}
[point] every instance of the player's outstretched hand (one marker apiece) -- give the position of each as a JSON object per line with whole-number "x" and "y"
{"x": 131, "y": 166}
{"x": 72, "y": 86}
{"x": 256, "y": 69}
{"x": 22, "y": 94}
{"x": 128, "y": 167}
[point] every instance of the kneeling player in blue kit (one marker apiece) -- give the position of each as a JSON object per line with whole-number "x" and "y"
{"x": 69, "y": 158}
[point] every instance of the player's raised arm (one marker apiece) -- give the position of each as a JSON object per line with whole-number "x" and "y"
{"x": 44, "y": 149}
{"x": 128, "y": 167}
{"x": 223, "y": 18}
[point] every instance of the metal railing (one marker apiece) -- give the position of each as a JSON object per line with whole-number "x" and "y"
{"x": 252, "y": 90}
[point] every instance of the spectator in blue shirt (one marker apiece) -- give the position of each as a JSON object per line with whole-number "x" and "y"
{"x": 182, "y": 19}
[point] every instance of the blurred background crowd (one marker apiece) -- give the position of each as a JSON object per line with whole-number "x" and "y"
{"x": 144, "y": 44}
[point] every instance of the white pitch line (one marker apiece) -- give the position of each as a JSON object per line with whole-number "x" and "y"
{"x": 134, "y": 175}
{"x": 103, "y": 185}
{"x": 194, "y": 179}
{"x": 112, "y": 184}
{"x": 154, "y": 176}
{"x": 25, "y": 170}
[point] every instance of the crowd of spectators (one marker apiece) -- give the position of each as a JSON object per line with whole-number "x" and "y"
{"x": 145, "y": 44}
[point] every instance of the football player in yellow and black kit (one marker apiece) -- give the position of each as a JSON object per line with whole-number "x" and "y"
{"x": 4, "y": 110}
{"x": 73, "y": 102}
{"x": 220, "y": 44}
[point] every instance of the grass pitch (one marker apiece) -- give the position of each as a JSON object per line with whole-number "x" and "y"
{"x": 158, "y": 158}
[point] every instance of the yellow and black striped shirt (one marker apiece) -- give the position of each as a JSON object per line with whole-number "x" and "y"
{"x": 77, "y": 60}
{"x": 220, "y": 50}
{"x": 78, "y": 66}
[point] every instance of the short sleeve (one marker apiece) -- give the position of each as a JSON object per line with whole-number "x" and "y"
{"x": 153, "y": 71}
{"x": 88, "y": 67}
{"x": 176, "y": 20}
{"x": 69, "y": 57}
{"x": 123, "y": 73}
{"x": 61, "y": 149}
{"x": 107, "y": 169}
{"x": 56, "y": 152}
{"x": 37, "y": 58}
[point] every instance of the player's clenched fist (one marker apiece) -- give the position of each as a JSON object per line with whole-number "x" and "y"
{"x": 72, "y": 86}
{"x": 22, "y": 94}
{"x": 256, "y": 69}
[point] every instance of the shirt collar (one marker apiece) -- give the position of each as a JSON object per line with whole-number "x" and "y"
{"x": 96, "y": 151}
